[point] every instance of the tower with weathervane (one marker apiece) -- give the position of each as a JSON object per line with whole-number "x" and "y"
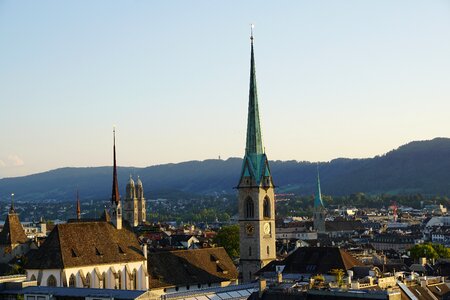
{"x": 256, "y": 195}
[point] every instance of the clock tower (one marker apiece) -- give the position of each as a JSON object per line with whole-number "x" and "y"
{"x": 256, "y": 195}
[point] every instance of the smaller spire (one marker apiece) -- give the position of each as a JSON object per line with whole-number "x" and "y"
{"x": 318, "y": 203}
{"x": 78, "y": 206}
{"x": 115, "y": 197}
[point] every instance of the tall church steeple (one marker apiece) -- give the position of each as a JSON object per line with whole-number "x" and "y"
{"x": 255, "y": 193}
{"x": 116, "y": 208}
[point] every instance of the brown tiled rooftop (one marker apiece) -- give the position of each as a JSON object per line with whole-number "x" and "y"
{"x": 85, "y": 243}
{"x": 12, "y": 232}
{"x": 188, "y": 267}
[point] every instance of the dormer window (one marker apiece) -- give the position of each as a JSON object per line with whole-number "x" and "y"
{"x": 98, "y": 252}
{"x": 74, "y": 253}
{"x": 214, "y": 258}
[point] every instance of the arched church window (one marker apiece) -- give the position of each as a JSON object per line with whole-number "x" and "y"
{"x": 250, "y": 251}
{"x": 72, "y": 281}
{"x": 33, "y": 278}
{"x": 119, "y": 281}
{"x": 134, "y": 285}
{"x": 51, "y": 281}
{"x": 249, "y": 208}
{"x": 266, "y": 208}
{"x": 268, "y": 250}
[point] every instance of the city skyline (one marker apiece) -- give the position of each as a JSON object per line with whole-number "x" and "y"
{"x": 178, "y": 90}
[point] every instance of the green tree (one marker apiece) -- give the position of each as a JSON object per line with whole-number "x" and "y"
{"x": 441, "y": 250}
{"x": 339, "y": 274}
{"x": 423, "y": 250}
{"x": 228, "y": 237}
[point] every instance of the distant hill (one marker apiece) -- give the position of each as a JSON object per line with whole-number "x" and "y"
{"x": 417, "y": 167}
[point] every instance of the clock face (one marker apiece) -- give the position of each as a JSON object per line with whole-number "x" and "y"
{"x": 249, "y": 228}
{"x": 267, "y": 228}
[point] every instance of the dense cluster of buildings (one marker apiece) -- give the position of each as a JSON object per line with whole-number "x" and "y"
{"x": 336, "y": 254}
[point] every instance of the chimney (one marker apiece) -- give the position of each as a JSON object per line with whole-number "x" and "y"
{"x": 279, "y": 277}
{"x": 423, "y": 261}
{"x": 350, "y": 276}
{"x": 144, "y": 249}
{"x": 262, "y": 287}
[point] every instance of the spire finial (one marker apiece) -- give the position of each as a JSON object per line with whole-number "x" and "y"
{"x": 114, "y": 135}
{"x": 12, "y": 210}
{"x": 251, "y": 31}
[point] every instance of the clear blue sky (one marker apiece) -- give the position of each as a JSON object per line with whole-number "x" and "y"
{"x": 335, "y": 79}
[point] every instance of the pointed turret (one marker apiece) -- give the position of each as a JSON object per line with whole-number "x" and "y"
{"x": 318, "y": 203}
{"x": 12, "y": 232}
{"x": 78, "y": 206}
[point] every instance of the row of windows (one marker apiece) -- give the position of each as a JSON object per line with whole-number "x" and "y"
{"x": 250, "y": 208}
{"x": 131, "y": 284}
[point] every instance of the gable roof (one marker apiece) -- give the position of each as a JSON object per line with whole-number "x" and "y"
{"x": 185, "y": 267}
{"x": 12, "y": 232}
{"x": 101, "y": 243}
{"x": 314, "y": 260}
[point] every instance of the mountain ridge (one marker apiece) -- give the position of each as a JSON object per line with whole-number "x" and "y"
{"x": 416, "y": 167}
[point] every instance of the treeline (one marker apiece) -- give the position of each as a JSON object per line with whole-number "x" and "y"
{"x": 303, "y": 205}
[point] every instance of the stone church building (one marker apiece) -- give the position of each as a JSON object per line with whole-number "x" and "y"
{"x": 91, "y": 253}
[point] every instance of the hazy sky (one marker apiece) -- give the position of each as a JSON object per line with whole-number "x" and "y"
{"x": 335, "y": 79}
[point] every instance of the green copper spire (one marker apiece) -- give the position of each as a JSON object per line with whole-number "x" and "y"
{"x": 255, "y": 164}
{"x": 254, "y": 140}
{"x": 318, "y": 203}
